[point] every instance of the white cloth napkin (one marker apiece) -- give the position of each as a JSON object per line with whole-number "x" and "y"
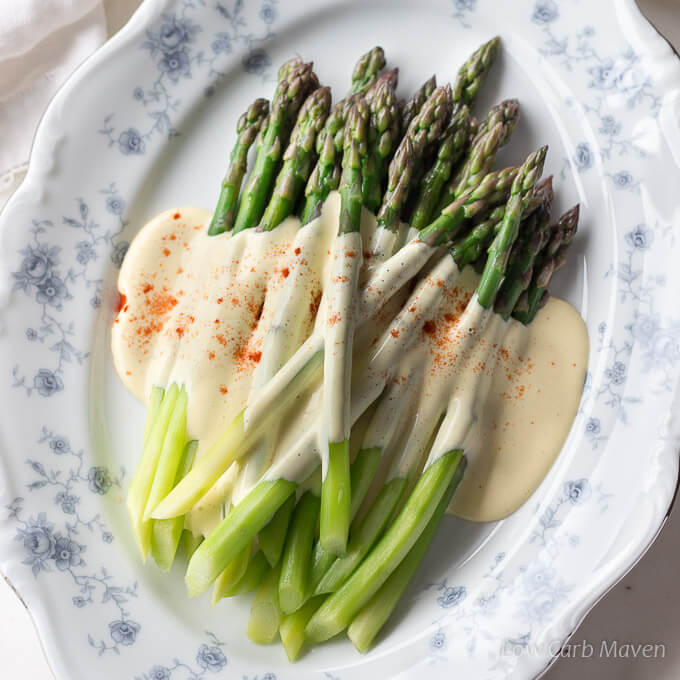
{"x": 41, "y": 43}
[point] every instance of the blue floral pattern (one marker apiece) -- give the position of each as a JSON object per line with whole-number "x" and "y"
{"x": 61, "y": 545}
{"x": 179, "y": 55}
{"x": 210, "y": 658}
{"x": 42, "y": 276}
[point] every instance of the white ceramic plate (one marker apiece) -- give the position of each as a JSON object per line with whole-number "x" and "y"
{"x": 145, "y": 125}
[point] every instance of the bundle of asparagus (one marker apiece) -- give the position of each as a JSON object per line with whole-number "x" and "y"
{"x": 427, "y": 161}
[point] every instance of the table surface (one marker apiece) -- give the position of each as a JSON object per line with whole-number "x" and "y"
{"x": 642, "y": 608}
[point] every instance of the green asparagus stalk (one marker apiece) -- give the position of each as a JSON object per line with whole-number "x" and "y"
{"x": 292, "y": 628}
{"x": 290, "y": 92}
{"x": 398, "y": 182}
{"x": 152, "y": 410}
{"x": 492, "y": 135}
{"x": 550, "y": 261}
{"x": 231, "y": 574}
{"x": 189, "y": 543}
{"x": 337, "y": 612}
{"x": 298, "y": 158}
{"x": 247, "y": 129}
{"x": 340, "y": 322}
{"x": 499, "y": 251}
{"x": 366, "y": 70}
{"x": 426, "y": 128}
{"x": 372, "y": 617}
{"x": 383, "y": 135}
{"x": 363, "y": 537}
{"x": 166, "y": 533}
{"x": 273, "y": 535}
{"x": 252, "y": 577}
{"x": 294, "y": 578}
{"x": 451, "y": 148}
{"x": 142, "y": 480}
{"x": 234, "y": 533}
{"x": 324, "y": 178}
{"x": 473, "y": 72}
{"x": 531, "y": 241}
{"x": 410, "y": 108}
{"x": 265, "y": 612}
{"x": 170, "y": 459}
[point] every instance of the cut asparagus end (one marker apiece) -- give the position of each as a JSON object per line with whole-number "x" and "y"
{"x": 336, "y": 500}
{"x": 294, "y": 579}
{"x": 336, "y": 613}
{"x": 273, "y": 535}
{"x": 231, "y": 574}
{"x": 265, "y": 613}
{"x": 370, "y": 620}
{"x": 234, "y": 533}
{"x": 292, "y": 627}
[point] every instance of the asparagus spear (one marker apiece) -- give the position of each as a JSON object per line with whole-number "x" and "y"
{"x": 170, "y": 459}
{"x": 155, "y": 401}
{"x": 499, "y": 251}
{"x": 410, "y": 108}
{"x": 324, "y": 178}
{"x": 290, "y": 92}
{"x": 252, "y": 577}
{"x": 294, "y": 578}
{"x": 473, "y": 72}
{"x": 368, "y": 622}
{"x": 367, "y": 68}
{"x": 142, "y": 480}
{"x": 451, "y": 148}
{"x": 189, "y": 543}
{"x": 340, "y": 323}
{"x": 383, "y": 134}
{"x": 247, "y": 129}
{"x": 423, "y": 131}
{"x": 293, "y": 627}
{"x": 398, "y": 182}
{"x": 493, "y": 133}
{"x": 231, "y": 574}
{"x": 339, "y": 609}
{"x": 426, "y": 128}
{"x": 550, "y": 261}
{"x": 533, "y": 238}
{"x": 166, "y": 533}
{"x": 298, "y": 158}
{"x": 273, "y": 535}
{"x": 265, "y": 612}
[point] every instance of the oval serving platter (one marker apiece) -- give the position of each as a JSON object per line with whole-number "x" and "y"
{"x": 144, "y": 125}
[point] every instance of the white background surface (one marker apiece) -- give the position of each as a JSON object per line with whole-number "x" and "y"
{"x": 642, "y": 608}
